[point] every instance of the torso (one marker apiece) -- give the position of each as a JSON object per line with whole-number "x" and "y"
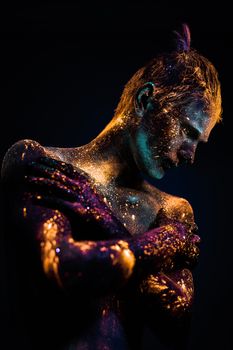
{"x": 135, "y": 208}
{"x": 138, "y": 209}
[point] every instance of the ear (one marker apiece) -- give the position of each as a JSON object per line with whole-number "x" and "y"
{"x": 143, "y": 96}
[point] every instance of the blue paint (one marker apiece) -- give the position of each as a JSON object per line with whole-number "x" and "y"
{"x": 147, "y": 158}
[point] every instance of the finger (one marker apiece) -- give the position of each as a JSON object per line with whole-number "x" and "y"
{"x": 66, "y": 187}
{"x": 63, "y": 167}
{"x": 52, "y": 187}
{"x": 35, "y": 168}
{"x": 69, "y": 192}
{"x": 192, "y": 228}
{"x": 191, "y": 253}
{"x": 55, "y": 174}
{"x": 68, "y": 208}
{"x": 195, "y": 239}
{"x": 173, "y": 290}
{"x": 60, "y": 204}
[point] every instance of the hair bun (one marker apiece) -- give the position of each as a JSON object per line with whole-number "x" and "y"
{"x": 183, "y": 39}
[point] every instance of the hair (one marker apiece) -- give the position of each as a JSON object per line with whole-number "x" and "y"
{"x": 178, "y": 76}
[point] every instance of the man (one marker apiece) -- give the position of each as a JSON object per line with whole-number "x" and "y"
{"x": 102, "y": 233}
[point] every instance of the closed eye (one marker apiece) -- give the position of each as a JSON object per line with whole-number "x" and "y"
{"x": 191, "y": 132}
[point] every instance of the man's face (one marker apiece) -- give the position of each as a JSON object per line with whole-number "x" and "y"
{"x": 171, "y": 138}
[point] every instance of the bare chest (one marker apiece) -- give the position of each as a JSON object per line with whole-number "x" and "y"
{"x": 136, "y": 210}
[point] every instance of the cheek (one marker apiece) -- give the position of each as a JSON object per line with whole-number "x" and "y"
{"x": 165, "y": 135}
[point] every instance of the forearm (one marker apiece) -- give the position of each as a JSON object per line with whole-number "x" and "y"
{"x": 103, "y": 265}
{"x": 157, "y": 247}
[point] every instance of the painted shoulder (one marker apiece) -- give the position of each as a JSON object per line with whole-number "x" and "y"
{"x": 175, "y": 207}
{"x": 178, "y": 208}
{"x": 18, "y": 155}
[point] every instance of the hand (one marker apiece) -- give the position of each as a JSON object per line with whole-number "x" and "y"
{"x": 56, "y": 177}
{"x": 189, "y": 251}
{"x": 162, "y": 218}
{"x": 60, "y": 186}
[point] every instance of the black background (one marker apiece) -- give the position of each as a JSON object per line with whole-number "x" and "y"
{"x": 63, "y": 69}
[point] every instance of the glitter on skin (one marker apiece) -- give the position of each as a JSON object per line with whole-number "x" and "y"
{"x": 134, "y": 226}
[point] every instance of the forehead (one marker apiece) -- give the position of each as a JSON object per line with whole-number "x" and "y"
{"x": 200, "y": 112}
{"x": 196, "y": 109}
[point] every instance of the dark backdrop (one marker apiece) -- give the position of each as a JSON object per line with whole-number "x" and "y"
{"x": 62, "y": 72}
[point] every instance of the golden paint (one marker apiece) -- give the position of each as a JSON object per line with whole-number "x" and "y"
{"x": 101, "y": 173}
{"x": 24, "y": 212}
{"x": 50, "y": 259}
{"x": 127, "y": 261}
{"x": 123, "y": 257}
{"x": 84, "y": 246}
{"x": 104, "y": 312}
{"x": 177, "y": 298}
{"x": 104, "y": 166}
{"x": 123, "y": 244}
{"x": 25, "y": 151}
{"x": 103, "y": 249}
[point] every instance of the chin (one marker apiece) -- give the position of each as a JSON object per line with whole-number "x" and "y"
{"x": 156, "y": 173}
{"x": 150, "y": 168}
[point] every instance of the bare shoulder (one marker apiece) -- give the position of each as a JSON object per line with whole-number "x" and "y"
{"x": 18, "y": 155}
{"x": 178, "y": 208}
{"x": 175, "y": 207}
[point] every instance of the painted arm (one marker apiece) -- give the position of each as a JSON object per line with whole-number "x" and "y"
{"x": 52, "y": 194}
{"x": 97, "y": 265}
{"x": 94, "y": 264}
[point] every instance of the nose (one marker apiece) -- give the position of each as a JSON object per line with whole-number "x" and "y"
{"x": 185, "y": 157}
{"x": 186, "y": 154}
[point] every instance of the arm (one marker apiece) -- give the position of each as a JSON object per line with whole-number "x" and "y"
{"x": 96, "y": 266}
{"x": 85, "y": 264}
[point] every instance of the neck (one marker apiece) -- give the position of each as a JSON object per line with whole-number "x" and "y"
{"x": 108, "y": 158}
